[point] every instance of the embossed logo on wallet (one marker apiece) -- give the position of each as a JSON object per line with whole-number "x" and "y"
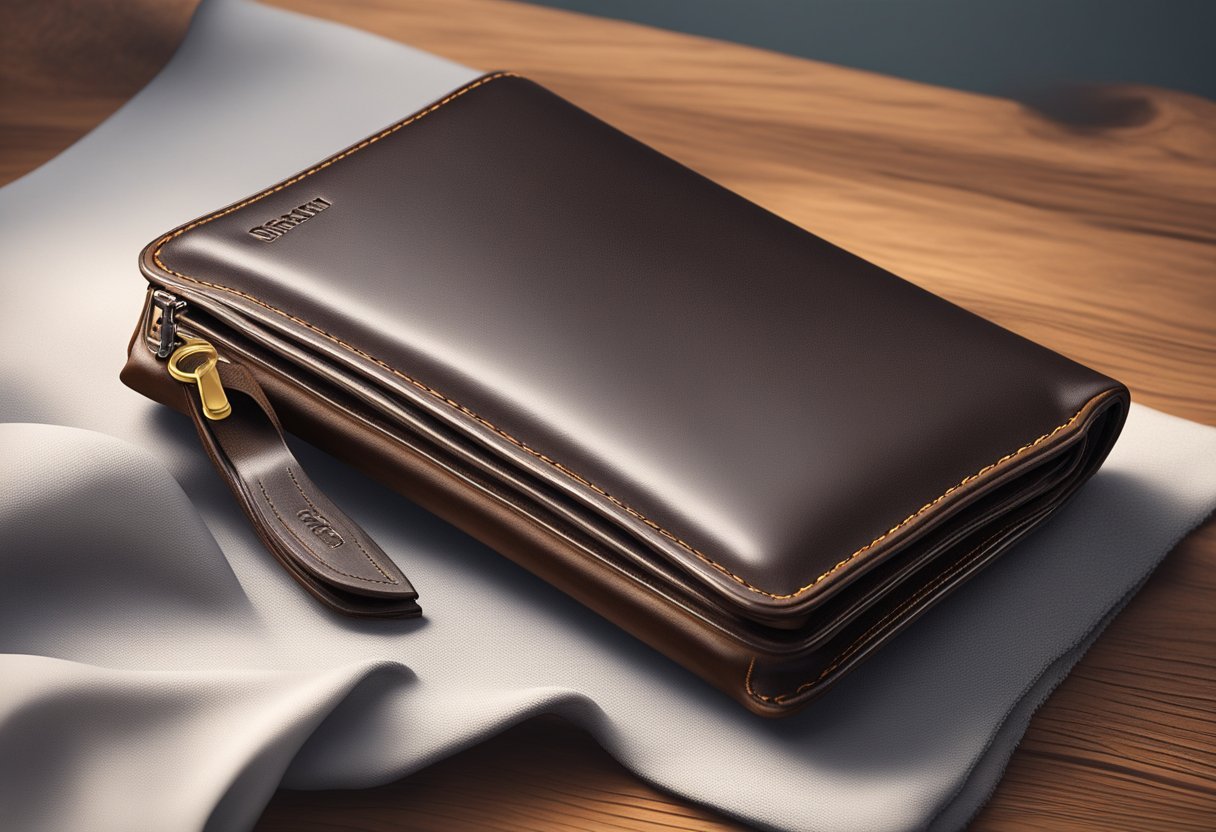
{"x": 319, "y": 526}
{"x": 270, "y": 231}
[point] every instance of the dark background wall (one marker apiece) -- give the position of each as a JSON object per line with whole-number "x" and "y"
{"x": 1013, "y": 48}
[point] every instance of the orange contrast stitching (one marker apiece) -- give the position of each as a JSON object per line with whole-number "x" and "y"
{"x": 581, "y": 480}
{"x": 845, "y": 654}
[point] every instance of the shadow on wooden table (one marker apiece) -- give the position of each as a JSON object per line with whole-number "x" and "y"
{"x": 543, "y": 774}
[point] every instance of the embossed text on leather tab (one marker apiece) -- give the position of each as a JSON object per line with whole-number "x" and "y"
{"x": 270, "y": 231}
{"x": 321, "y": 528}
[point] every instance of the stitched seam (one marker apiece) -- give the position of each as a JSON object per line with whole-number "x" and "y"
{"x": 859, "y": 642}
{"x": 353, "y": 534}
{"x": 581, "y": 480}
{"x": 314, "y": 555}
{"x": 388, "y": 131}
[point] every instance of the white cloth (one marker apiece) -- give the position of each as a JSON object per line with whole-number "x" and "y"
{"x": 159, "y": 671}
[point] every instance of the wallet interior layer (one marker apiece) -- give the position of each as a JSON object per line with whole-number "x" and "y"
{"x": 773, "y": 667}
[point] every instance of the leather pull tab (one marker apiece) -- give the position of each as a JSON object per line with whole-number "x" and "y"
{"x": 322, "y": 548}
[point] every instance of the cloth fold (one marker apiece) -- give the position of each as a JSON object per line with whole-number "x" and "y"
{"x": 159, "y": 671}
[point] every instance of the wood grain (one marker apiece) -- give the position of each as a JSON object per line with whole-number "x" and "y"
{"x": 1094, "y": 236}
{"x": 65, "y": 66}
{"x": 543, "y": 775}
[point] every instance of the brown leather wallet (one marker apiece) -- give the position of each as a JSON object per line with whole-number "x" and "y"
{"x": 755, "y": 451}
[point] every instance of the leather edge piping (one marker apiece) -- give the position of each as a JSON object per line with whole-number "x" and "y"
{"x": 785, "y": 699}
{"x": 738, "y": 579}
{"x": 857, "y": 644}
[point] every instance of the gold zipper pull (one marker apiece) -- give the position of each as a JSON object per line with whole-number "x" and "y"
{"x": 203, "y": 357}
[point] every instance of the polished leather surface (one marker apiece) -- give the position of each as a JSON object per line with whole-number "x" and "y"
{"x": 772, "y": 672}
{"x": 769, "y": 399}
{"x": 781, "y": 434}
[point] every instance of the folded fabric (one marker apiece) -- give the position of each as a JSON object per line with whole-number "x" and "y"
{"x": 160, "y": 672}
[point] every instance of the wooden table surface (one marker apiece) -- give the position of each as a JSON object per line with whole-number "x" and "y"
{"x": 1095, "y": 237}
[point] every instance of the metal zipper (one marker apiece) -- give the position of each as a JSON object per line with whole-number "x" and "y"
{"x": 162, "y": 321}
{"x": 190, "y": 360}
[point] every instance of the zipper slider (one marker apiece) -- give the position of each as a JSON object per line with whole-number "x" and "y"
{"x": 205, "y": 375}
{"x": 164, "y": 326}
